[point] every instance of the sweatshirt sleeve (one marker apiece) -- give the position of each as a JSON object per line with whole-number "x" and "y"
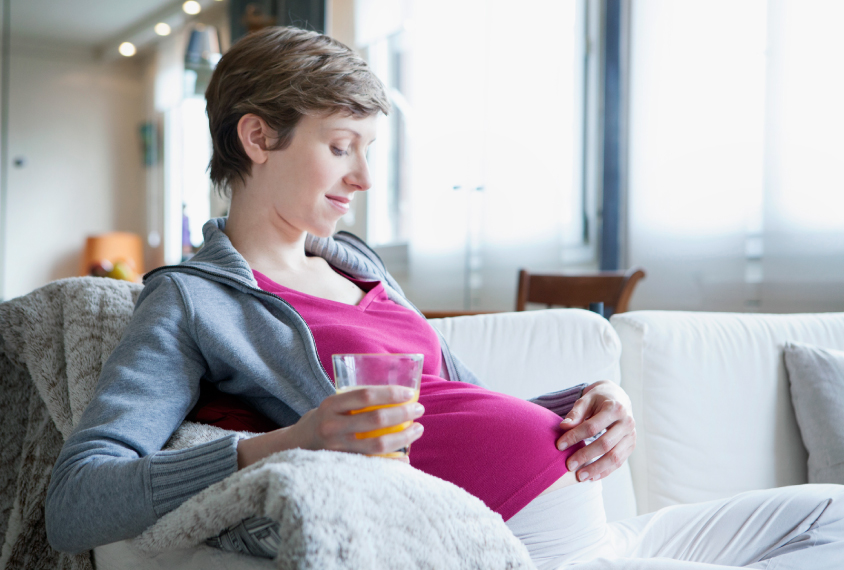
{"x": 560, "y": 402}
{"x": 112, "y": 480}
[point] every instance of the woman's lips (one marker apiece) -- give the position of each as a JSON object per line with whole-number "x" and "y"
{"x": 339, "y": 203}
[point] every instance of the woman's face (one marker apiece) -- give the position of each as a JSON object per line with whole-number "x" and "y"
{"x": 309, "y": 185}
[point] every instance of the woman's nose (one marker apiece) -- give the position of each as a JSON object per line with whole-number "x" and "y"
{"x": 359, "y": 178}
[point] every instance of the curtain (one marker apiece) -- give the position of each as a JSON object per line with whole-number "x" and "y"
{"x": 696, "y": 117}
{"x": 735, "y": 201}
{"x": 803, "y": 256}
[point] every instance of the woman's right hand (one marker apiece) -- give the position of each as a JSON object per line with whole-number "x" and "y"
{"x": 332, "y": 426}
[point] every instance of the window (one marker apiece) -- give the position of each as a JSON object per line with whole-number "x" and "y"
{"x": 481, "y": 167}
{"x": 735, "y": 191}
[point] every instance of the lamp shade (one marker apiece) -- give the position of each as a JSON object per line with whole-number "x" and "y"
{"x": 113, "y": 247}
{"x": 201, "y": 57}
{"x": 203, "y": 48}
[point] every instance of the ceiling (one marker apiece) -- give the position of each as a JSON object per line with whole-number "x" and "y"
{"x": 85, "y": 23}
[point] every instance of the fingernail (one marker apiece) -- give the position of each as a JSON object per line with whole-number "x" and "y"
{"x": 573, "y": 466}
{"x": 418, "y": 428}
{"x": 584, "y": 476}
{"x": 407, "y": 393}
{"x": 596, "y": 477}
{"x": 562, "y": 446}
{"x": 418, "y": 410}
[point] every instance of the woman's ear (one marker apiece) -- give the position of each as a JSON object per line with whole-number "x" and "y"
{"x": 253, "y": 133}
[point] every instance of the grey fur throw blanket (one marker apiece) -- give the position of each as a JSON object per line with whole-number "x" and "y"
{"x": 335, "y": 510}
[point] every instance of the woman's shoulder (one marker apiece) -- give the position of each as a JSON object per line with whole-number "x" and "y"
{"x": 183, "y": 281}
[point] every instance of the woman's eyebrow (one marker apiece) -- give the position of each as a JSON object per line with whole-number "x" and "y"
{"x": 348, "y": 130}
{"x": 356, "y": 134}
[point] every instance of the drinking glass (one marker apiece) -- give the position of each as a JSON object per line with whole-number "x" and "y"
{"x": 355, "y": 371}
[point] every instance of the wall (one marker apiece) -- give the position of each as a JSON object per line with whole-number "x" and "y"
{"x": 340, "y": 23}
{"x": 75, "y": 123}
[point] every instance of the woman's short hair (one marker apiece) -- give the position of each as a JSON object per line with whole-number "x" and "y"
{"x": 281, "y": 74}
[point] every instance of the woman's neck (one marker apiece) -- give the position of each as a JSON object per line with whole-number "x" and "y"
{"x": 266, "y": 246}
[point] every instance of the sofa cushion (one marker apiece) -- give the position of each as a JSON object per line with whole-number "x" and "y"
{"x": 816, "y": 376}
{"x": 712, "y": 403}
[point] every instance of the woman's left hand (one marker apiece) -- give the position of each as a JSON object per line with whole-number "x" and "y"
{"x": 603, "y": 406}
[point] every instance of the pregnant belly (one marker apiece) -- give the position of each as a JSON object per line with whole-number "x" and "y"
{"x": 499, "y": 448}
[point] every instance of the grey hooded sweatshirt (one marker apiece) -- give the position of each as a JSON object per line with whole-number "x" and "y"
{"x": 205, "y": 319}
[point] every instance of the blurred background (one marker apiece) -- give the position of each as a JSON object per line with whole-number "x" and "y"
{"x": 699, "y": 140}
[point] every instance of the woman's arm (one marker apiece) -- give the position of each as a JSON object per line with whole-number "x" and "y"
{"x": 112, "y": 480}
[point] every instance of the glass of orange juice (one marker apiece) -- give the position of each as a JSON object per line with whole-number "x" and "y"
{"x": 355, "y": 371}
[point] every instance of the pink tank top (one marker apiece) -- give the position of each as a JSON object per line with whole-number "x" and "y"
{"x": 499, "y": 448}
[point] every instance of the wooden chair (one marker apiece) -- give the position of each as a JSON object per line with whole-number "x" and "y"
{"x": 449, "y": 314}
{"x": 612, "y": 288}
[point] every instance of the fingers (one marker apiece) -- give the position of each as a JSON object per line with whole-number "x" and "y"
{"x": 366, "y": 398}
{"x": 601, "y": 446}
{"x": 610, "y": 461}
{"x": 383, "y": 419}
{"x": 609, "y": 412}
{"x": 344, "y": 427}
{"x": 379, "y": 445}
{"x": 575, "y": 415}
{"x": 390, "y": 442}
{"x": 372, "y": 420}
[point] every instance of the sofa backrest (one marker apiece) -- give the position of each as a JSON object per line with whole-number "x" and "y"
{"x": 712, "y": 401}
{"x": 530, "y": 353}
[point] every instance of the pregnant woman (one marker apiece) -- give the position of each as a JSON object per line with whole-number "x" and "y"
{"x": 257, "y": 313}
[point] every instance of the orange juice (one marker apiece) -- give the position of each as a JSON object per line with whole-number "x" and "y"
{"x": 383, "y": 431}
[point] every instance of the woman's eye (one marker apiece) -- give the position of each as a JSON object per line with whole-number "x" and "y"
{"x": 339, "y": 151}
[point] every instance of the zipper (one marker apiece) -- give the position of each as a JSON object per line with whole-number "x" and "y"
{"x": 310, "y": 334}
{"x": 262, "y": 292}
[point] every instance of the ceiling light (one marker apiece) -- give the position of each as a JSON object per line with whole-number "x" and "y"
{"x": 162, "y": 29}
{"x": 127, "y": 49}
{"x": 191, "y": 7}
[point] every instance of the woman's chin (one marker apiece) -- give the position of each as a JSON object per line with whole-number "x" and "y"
{"x": 324, "y": 231}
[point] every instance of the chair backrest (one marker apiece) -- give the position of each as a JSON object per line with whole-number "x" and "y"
{"x": 612, "y": 288}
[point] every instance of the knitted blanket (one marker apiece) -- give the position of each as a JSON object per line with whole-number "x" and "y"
{"x": 335, "y": 510}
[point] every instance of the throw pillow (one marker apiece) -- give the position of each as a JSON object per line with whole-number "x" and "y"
{"x": 817, "y": 392}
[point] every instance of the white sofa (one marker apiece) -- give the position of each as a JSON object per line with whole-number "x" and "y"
{"x": 712, "y": 401}
{"x": 709, "y": 390}
{"x": 709, "y": 394}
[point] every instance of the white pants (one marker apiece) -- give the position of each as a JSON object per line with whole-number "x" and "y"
{"x": 790, "y": 528}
